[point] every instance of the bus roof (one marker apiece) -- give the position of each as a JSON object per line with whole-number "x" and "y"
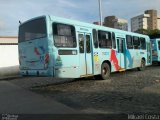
{"x": 74, "y": 22}
{"x": 155, "y": 39}
{"x": 89, "y": 25}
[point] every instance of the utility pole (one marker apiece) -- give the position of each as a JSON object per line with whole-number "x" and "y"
{"x": 100, "y": 12}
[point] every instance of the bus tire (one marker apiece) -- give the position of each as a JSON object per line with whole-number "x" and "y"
{"x": 142, "y": 67}
{"x": 105, "y": 71}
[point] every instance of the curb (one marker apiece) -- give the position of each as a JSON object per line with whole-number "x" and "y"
{"x": 10, "y": 77}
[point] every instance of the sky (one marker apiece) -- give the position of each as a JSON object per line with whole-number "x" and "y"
{"x": 11, "y": 11}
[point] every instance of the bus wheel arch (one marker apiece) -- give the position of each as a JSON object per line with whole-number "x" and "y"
{"x": 143, "y": 64}
{"x": 105, "y": 69}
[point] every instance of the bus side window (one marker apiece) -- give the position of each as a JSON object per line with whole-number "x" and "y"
{"x": 136, "y": 42}
{"x": 159, "y": 45}
{"x": 95, "y": 40}
{"x": 113, "y": 40}
{"x": 143, "y": 43}
{"x": 129, "y": 42}
{"x": 81, "y": 43}
{"x": 88, "y": 44}
{"x": 104, "y": 39}
{"x": 64, "y": 35}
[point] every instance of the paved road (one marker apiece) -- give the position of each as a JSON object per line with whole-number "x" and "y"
{"x": 16, "y": 100}
{"x": 126, "y": 92}
{"x": 130, "y": 91}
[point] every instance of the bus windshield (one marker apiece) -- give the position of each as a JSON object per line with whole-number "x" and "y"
{"x": 32, "y": 30}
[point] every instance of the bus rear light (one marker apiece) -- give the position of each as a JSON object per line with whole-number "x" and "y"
{"x": 46, "y": 60}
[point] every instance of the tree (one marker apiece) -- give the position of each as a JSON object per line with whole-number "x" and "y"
{"x": 142, "y": 31}
{"x": 152, "y": 33}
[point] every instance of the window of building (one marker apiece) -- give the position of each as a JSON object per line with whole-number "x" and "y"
{"x": 95, "y": 40}
{"x": 64, "y": 35}
{"x": 136, "y": 42}
{"x": 129, "y": 42}
{"x": 142, "y": 43}
{"x": 104, "y": 39}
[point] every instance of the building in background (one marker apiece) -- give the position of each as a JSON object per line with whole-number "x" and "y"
{"x": 152, "y": 20}
{"x": 97, "y": 23}
{"x": 139, "y": 22}
{"x": 158, "y": 22}
{"x": 109, "y": 21}
{"x": 114, "y": 22}
{"x": 148, "y": 20}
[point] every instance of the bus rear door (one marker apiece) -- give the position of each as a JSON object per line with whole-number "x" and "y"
{"x": 85, "y": 54}
{"x": 121, "y": 53}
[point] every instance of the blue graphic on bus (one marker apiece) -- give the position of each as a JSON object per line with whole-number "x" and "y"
{"x": 128, "y": 55}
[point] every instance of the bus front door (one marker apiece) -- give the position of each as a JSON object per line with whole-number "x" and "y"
{"x": 85, "y": 54}
{"x": 121, "y": 53}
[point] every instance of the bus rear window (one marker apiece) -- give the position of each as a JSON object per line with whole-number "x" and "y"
{"x": 32, "y": 30}
{"x": 64, "y": 35}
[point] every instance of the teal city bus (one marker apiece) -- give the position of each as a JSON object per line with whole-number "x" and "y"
{"x": 64, "y": 48}
{"x": 156, "y": 50}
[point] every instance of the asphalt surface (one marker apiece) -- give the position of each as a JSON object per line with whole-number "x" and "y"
{"x": 125, "y": 92}
{"x": 16, "y": 100}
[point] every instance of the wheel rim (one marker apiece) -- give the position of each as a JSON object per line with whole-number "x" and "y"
{"x": 143, "y": 64}
{"x": 105, "y": 71}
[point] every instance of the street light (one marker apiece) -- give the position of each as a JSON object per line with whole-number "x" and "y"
{"x": 100, "y": 12}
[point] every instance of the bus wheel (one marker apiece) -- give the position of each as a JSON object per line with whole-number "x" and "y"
{"x": 105, "y": 71}
{"x": 142, "y": 67}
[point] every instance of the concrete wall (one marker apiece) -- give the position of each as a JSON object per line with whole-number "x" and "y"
{"x": 9, "y": 71}
{"x": 8, "y": 55}
{"x": 9, "y": 63}
{"x": 7, "y": 39}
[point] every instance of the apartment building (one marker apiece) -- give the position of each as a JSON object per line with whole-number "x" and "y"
{"x": 148, "y": 20}
{"x": 139, "y": 22}
{"x": 114, "y": 22}
{"x": 158, "y": 22}
{"x": 97, "y": 23}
